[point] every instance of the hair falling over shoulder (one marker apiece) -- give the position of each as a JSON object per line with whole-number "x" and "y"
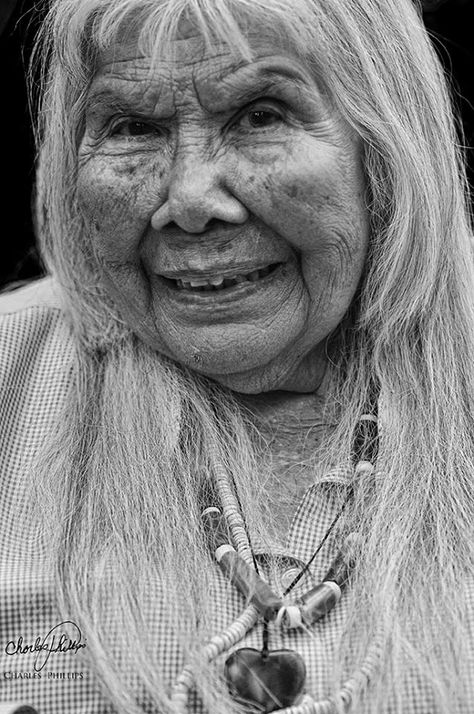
{"x": 127, "y": 453}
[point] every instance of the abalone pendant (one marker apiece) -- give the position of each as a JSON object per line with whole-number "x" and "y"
{"x": 265, "y": 681}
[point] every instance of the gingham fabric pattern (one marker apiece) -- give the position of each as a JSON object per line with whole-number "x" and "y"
{"x": 35, "y": 367}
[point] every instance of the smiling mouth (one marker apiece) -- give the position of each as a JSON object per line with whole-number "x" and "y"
{"x": 222, "y": 282}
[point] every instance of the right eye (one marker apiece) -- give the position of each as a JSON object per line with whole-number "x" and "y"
{"x": 133, "y": 127}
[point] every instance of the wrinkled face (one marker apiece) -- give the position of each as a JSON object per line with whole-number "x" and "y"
{"x": 225, "y": 205}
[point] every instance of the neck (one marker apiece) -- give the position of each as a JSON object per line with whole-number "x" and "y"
{"x": 282, "y": 405}
{"x": 293, "y": 427}
{"x": 290, "y": 420}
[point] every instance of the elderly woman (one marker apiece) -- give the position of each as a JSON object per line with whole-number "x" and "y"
{"x": 238, "y": 416}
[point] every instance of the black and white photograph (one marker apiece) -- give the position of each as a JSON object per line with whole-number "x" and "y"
{"x": 237, "y": 357}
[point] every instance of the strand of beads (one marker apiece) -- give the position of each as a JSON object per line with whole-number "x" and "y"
{"x": 312, "y": 606}
{"x": 217, "y": 645}
{"x": 320, "y": 600}
{"x": 230, "y": 508}
{"x": 245, "y": 578}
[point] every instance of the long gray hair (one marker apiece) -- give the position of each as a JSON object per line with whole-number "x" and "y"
{"x": 412, "y": 331}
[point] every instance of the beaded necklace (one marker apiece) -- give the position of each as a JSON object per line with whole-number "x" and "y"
{"x": 255, "y": 679}
{"x": 265, "y": 680}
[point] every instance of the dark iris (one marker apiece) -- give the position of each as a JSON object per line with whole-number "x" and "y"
{"x": 261, "y": 118}
{"x": 138, "y": 128}
{"x": 134, "y": 128}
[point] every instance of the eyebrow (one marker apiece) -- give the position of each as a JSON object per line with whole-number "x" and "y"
{"x": 244, "y": 82}
{"x": 108, "y": 92}
{"x": 109, "y": 97}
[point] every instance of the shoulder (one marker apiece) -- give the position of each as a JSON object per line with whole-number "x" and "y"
{"x": 34, "y": 334}
{"x": 43, "y": 293}
{"x": 36, "y": 362}
{"x": 29, "y": 310}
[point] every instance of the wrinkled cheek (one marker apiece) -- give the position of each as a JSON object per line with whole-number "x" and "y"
{"x": 109, "y": 207}
{"x": 114, "y": 237}
{"x": 290, "y": 205}
{"x": 128, "y": 287}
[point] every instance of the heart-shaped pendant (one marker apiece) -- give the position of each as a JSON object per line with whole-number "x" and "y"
{"x": 265, "y": 681}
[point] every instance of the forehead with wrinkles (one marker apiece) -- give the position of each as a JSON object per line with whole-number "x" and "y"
{"x": 215, "y": 75}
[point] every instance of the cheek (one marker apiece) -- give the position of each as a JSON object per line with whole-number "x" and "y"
{"x": 310, "y": 197}
{"x": 315, "y": 201}
{"x": 111, "y": 200}
{"x": 116, "y": 204}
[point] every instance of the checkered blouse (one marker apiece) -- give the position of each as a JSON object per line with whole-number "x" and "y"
{"x": 35, "y": 349}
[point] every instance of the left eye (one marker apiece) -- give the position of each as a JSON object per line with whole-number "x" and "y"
{"x": 261, "y": 117}
{"x": 133, "y": 128}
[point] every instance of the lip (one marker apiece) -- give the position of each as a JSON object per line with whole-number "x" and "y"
{"x": 224, "y": 296}
{"x": 224, "y": 271}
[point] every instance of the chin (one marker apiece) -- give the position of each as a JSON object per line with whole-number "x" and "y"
{"x": 227, "y": 364}
{"x": 241, "y": 385}
{"x": 248, "y": 381}
{"x": 253, "y": 381}
{"x": 305, "y": 377}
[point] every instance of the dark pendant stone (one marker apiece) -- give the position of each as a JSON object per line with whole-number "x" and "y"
{"x": 265, "y": 682}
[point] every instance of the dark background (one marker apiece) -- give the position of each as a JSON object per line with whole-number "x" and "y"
{"x": 449, "y": 22}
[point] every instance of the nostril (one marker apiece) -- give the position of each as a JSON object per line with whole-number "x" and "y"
{"x": 191, "y": 215}
{"x": 212, "y": 223}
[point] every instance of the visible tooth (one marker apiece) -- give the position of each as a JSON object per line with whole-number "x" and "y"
{"x": 198, "y": 283}
{"x": 220, "y": 281}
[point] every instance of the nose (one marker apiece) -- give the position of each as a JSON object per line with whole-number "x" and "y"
{"x": 198, "y": 196}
